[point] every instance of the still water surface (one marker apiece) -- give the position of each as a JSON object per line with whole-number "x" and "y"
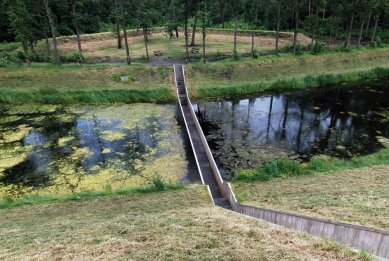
{"x": 338, "y": 121}
{"x": 60, "y": 150}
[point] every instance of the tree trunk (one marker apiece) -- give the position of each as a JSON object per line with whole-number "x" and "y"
{"x": 360, "y": 34}
{"x": 254, "y": 27}
{"x": 53, "y": 32}
{"x": 27, "y": 54}
{"x": 73, "y": 4}
{"x": 48, "y": 52}
{"x": 119, "y": 35}
{"x": 176, "y": 32}
{"x": 193, "y": 43}
{"x": 350, "y": 31}
{"x": 204, "y": 35}
{"x": 278, "y": 26}
{"x": 235, "y": 28}
{"x": 186, "y": 38}
{"x": 314, "y": 29}
{"x": 145, "y": 31}
{"x": 126, "y": 43}
{"x": 296, "y": 27}
{"x": 128, "y": 58}
{"x": 368, "y": 24}
{"x": 375, "y": 28}
{"x": 222, "y": 12}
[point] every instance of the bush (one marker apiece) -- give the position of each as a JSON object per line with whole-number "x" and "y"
{"x": 235, "y": 55}
{"x": 377, "y": 43}
{"x": 219, "y": 54}
{"x": 254, "y": 54}
{"x": 274, "y": 169}
{"x": 299, "y": 49}
{"x": 319, "y": 47}
{"x": 73, "y": 58}
{"x": 7, "y": 59}
{"x": 158, "y": 183}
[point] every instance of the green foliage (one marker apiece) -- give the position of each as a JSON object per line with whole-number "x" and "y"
{"x": 75, "y": 57}
{"x": 7, "y": 47}
{"x": 255, "y": 54}
{"x": 319, "y": 47}
{"x": 158, "y": 183}
{"x": 7, "y": 59}
{"x": 274, "y": 169}
{"x": 299, "y": 49}
{"x": 343, "y": 49}
{"x": 235, "y": 55}
{"x": 287, "y": 167}
{"x": 377, "y": 43}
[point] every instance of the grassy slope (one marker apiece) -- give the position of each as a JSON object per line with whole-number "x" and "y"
{"x": 76, "y": 83}
{"x": 359, "y": 196}
{"x": 202, "y": 78}
{"x": 179, "y": 225}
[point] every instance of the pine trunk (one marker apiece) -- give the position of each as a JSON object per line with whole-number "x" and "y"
{"x": 204, "y": 35}
{"x": 350, "y": 31}
{"x": 193, "y": 42}
{"x": 47, "y": 44}
{"x": 368, "y": 24}
{"x": 146, "y": 44}
{"x": 53, "y": 32}
{"x": 375, "y": 28}
{"x": 76, "y": 26}
{"x": 296, "y": 27}
{"x": 278, "y": 26}
{"x": 360, "y": 34}
{"x": 186, "y": 38}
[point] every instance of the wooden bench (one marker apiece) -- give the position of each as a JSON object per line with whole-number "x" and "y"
{"x": 195, "y": 50}
{"x": 158, "y": 53}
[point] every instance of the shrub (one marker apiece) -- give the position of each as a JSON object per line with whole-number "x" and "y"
{"x": 7, "y": 59}
{"x": 319, "y": 47}
{"x": 254, "y": 54}
{"x": 235, "y": 55}
{"x": 299, "y": 49}
{"x": 219, "y": 54}
{"x": 73, "y": 58}
{"x": 377, "y": 43}
{"x": 158, "y": 183}
{"x": 343, "y": 49}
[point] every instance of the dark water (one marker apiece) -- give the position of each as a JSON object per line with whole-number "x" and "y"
{"x": 60, "y": 150}
{"x": 343, "y": 121}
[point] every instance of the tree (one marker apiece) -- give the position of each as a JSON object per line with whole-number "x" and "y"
{"x": 145, "y": 15}
{"x": 254, "y": 25}
{"x": 235, "y": 11}
{"x": 53, "y": 31}
{"x": 204, "y": 18}
{"x": 75, "y": 18}
{"x": 279, "y": 3}
{"x": 123, "y": 23}
{"x": 296, "y": 26}
{"x": 21, "y": 23}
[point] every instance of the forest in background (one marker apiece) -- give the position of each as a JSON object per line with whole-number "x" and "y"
{"x": 28, "y": 21}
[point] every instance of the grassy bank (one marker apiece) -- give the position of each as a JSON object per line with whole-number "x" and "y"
{"x": 94, "y": 84}
{"x": 176, "y": 225}
{"x": 82, "y": 196}
{"x": 286, "y": 71}
{"x": 283, "y": 168}
{"x": 359, "y": 195}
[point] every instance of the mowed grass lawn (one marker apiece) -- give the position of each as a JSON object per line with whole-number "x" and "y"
{"x": 178, "y": 225}
{"x": 86, "y": 84}
{"x": 359, "y": 196}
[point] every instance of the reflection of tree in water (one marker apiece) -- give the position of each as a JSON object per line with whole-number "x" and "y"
{"x": 342, "y": 122}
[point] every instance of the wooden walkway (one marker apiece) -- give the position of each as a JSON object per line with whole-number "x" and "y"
{"x": 198, "y": 142}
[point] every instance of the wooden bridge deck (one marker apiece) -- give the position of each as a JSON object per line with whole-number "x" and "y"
{"x": 202, "y": 160}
